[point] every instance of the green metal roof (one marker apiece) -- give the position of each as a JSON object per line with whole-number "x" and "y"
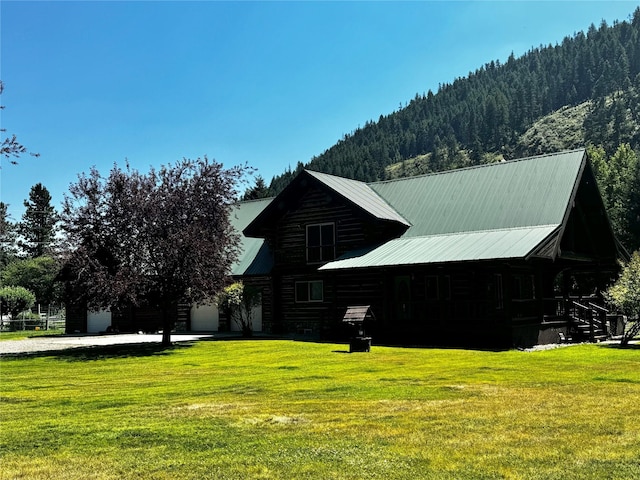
{"x": 518, "y": 193}
{"x": 255, "y": 258}
{"x": 362, "y": 195}
{"x": 452, "y": 247}
{"x": 498, "y": 211}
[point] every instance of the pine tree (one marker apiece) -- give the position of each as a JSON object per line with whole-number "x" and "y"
{"x": 39, "y": 222}
{"x": 7, "y": 236}
{"x": 260, "y": 190}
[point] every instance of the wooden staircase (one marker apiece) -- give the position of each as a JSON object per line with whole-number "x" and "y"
{"x": 588, "y": 321}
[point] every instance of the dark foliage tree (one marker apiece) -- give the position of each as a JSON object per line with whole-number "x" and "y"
{"x": 158, "y": 238}
{"x": 10, "y": 148}
{"x": 39, "y": 224}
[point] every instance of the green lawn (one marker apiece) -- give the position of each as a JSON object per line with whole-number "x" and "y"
{"x": 291, "y": 410}
{"x": 20, "y": 334}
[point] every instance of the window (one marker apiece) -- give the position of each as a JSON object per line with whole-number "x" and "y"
{"x": 309, "y": 291}
{"x": 321, "y": 243}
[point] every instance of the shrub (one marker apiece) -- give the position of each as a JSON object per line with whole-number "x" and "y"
{"x": 14, "y": 300}
{"x": 624, "y": 295}
{"x": 237, "y": 301}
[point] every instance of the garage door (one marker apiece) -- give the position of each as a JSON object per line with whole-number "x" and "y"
{"x": 204, "y": 318}
{"x": 98, "y": 321}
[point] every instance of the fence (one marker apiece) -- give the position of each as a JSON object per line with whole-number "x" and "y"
{"x": 33, "y": 322}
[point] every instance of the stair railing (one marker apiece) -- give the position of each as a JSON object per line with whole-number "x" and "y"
{"x": 583, "y": 314}
{"x": 600, "y": 313}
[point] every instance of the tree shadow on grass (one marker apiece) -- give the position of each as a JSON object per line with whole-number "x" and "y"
{"x": 103, "y": 352}
{"x": 618, "y": 346}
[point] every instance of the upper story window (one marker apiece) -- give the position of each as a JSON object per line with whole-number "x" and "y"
{"x": 321, "y": 243}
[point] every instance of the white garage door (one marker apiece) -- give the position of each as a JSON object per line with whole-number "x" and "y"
{"x": 98, "y": 321}
{"x": 204, "y": 318}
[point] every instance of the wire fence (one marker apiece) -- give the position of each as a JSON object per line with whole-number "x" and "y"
{"x": 54, "y": 319}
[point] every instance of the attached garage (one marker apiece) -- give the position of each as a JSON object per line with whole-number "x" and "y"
{"x": 205, "y": 318}
{"x": 98, "y": 321}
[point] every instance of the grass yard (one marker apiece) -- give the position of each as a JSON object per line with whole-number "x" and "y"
{"x": 20, "y": 334}
{"x": 270, "y": 409}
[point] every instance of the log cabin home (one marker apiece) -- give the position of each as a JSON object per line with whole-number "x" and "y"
{"x": 490, "y": 256}
{"x": 493, "y": 256}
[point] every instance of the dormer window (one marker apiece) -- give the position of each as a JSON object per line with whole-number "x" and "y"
{"x": 321, "y": 243}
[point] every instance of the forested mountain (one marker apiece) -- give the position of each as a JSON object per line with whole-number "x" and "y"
{"x": 582, "y": 92}
{"x": 492, "y": 108}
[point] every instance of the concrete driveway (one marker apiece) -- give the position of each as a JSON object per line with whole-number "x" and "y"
{"x": 62, "y": 342}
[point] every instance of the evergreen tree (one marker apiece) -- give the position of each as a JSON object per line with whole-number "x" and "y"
{"x": 7, "y": 237}
{"x": 39, "y": 223}
{"x": 619, "y": 182}
{"x": 259, "y": 190}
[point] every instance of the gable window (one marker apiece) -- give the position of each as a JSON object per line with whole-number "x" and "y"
{"x": 321, "y": 243}
{"x": 309, "y": 291}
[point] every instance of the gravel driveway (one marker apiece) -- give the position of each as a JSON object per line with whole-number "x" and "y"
{"x": 63, "y": 342}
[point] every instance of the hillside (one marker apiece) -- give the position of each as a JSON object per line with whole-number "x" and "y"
{"x": 564, "y": 129}
{"x": 582, "y": 92}
{"x": 505, "y": 110}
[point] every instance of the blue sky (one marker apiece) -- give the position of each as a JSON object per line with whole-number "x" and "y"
{"x": 268, "y": 83}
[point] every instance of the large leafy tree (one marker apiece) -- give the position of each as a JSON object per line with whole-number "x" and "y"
{"x": 14, "y": 300}
{"x": 157, "y": 238}
{"x": 39, "y": 222}
{"x": 38, "y": 275}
